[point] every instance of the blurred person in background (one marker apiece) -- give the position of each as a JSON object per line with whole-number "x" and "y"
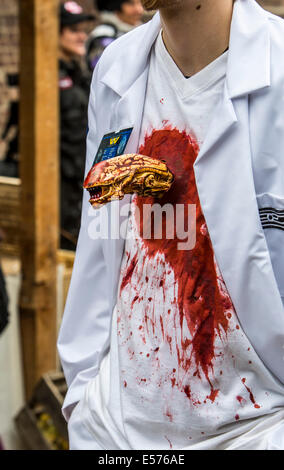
{"x": 9, "y": 166}
{"x": 117, "y": 18}
{"x": 74, "y": 84}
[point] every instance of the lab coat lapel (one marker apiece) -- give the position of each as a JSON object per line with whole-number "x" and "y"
{"x": 130, "y": 86}
{"x": 225, "y": 183}
{"x": 128, "y": 113}
{"x": 226, "y": 190}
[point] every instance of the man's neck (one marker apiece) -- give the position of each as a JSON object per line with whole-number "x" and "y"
{"x": 196, "y": 32}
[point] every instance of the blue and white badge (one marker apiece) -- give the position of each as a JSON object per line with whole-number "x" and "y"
{"x": 113, "y": 145}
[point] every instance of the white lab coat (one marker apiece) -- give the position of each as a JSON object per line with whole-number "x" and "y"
{"x": 239, "y": 170}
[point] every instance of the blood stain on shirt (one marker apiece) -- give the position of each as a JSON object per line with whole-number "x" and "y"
{"x": 169, "y": 415}
{"x": 187, "y": 391}
{"x": 240, "y": 399}
{"x": 251, "y": 396}
{"x": 213, "y": 395}
{"x": 171, "y": 446}
{"x": 201, "y": 304}
{"x": 129, "y": 273}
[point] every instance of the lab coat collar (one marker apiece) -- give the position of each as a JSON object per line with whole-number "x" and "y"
{"x": 249, "y": 49}
{"x": 248, "y": 59}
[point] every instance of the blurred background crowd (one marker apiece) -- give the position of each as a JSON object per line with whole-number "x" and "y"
{"x": 86, "y": 29}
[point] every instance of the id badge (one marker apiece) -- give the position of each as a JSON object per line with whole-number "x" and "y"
{"x": 113, "y": 145}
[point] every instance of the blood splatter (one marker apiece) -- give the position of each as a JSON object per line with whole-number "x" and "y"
{"x": 169, "y": 415}
{"x": 134, "y": 300}
{"x": 251, "y": 396}
{"x": 201, "y": 304}
{"x": 240, "y": 399}
{"x": 187, "y": 391}
{"x": 237, "y": 417}
{"x": 129, "y": 272}
{"x": 213, "y": 395}
{"x": 171, "y": 446}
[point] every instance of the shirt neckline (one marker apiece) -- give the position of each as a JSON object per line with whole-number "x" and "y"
{"x": 198, "y": 82}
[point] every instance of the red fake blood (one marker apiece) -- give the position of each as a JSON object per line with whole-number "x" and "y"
{"x": 213, "y": 395}
{"x": 171, "y": 446}
{"x": 201, "y": 304}
{"x": 240, "y": 399}
{"x": 252, "y": 399}
{"x": 134, "y": 300}
{"x": 200, "y": 301}
{"x": 162, "y": 325}
{"x": 237, "y": 417}
{"x": 129, "y": 273}
{"x": 169, "y": 415}
{"x": 187, "y": 391}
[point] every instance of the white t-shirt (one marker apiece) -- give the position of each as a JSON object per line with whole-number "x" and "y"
{"x": 181, "y": 373}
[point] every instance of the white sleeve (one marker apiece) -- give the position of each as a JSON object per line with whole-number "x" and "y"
{"x": 85, "y": 329}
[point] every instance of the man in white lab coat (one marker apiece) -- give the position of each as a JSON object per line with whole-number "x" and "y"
{"x": 166, "y": 345}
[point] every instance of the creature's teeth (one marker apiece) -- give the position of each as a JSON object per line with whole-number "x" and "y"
{"x": 95, "y": 193}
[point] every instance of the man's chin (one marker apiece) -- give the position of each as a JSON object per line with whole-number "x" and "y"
{"x": 150, "y": 5}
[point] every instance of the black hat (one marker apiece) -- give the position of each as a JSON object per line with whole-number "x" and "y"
{"x": 110, "y": 5}
{"x": 72, "y": 13}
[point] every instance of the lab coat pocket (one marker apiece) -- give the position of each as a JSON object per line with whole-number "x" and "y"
{"x": 271, "y": 212}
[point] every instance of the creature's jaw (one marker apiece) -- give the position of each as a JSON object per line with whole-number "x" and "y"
{"x": 101, "y": 195}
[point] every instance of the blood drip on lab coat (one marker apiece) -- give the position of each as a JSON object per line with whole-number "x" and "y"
{"x": 201, "y": 304}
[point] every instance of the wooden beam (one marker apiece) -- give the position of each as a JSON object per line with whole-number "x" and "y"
{"x": 39, "y": 168}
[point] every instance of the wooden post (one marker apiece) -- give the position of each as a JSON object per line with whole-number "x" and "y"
{"x": 40, "y": 180}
